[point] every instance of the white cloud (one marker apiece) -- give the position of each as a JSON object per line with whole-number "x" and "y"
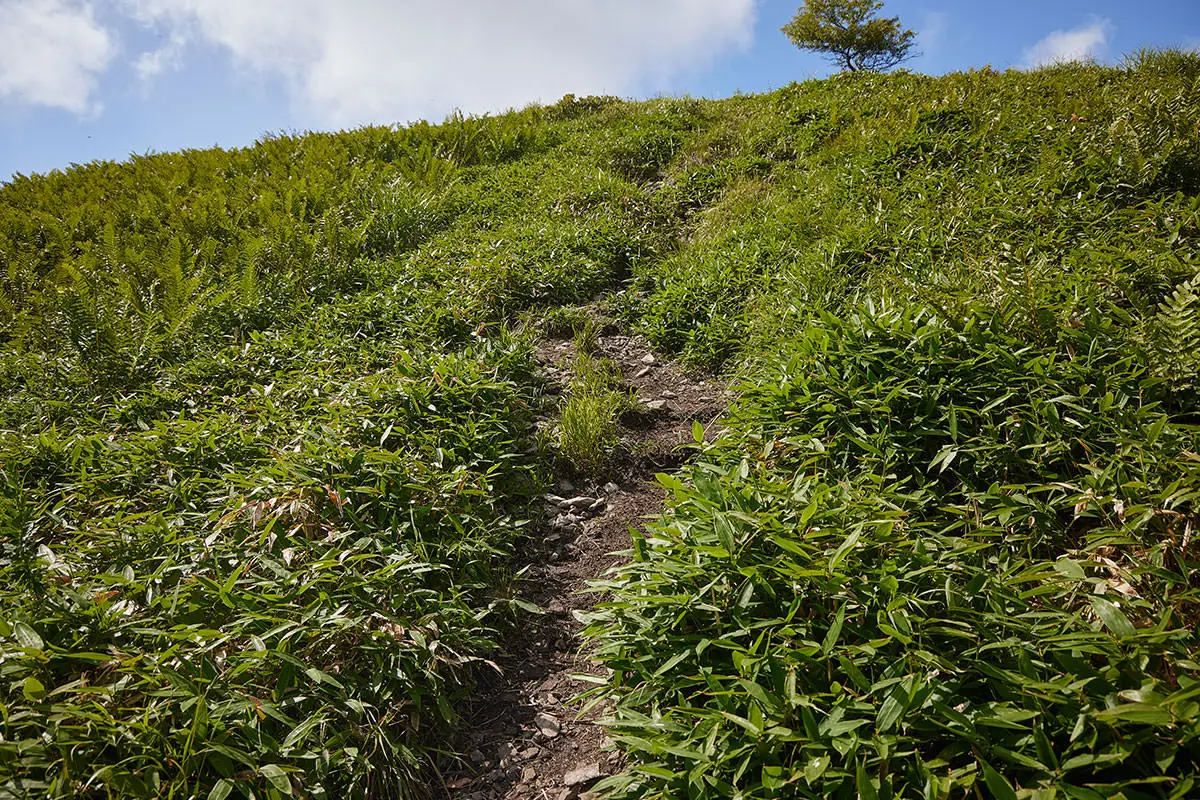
{"x": 51, "y": 53}
{"x": 355, "y": 61}
{"x": 1077, "y": 44}
{"x": 154, "y": 62}
{"x": 934, "y": 27}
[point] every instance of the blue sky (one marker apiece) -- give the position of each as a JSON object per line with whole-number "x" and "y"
{"x": 102, "y": 79}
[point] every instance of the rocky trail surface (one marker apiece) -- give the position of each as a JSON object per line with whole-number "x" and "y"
{"x": 525, "y": 737}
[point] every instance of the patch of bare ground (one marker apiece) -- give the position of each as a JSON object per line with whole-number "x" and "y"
{"x": 526, "y": 740}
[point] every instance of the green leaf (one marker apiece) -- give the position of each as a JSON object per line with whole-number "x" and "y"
{"x": 1070, "y": 569}
{"x": 222, "y": 789}
{"x": 742, "y": 722}
{"x": 1112, "y": 617}
{"x": 814, "y": 768}
{"x": 27, "y": 637}
{"x": 865, "y": 783}
{"x": 835, "y": 630}
{"x": 843, "y": 549}
{"x": 277, "y": 778}
{"x": 998, "y": 785}
{"x": 698, "y": 432}
{"x": 1142, "y": 713}
{"x": 33, "y": 690}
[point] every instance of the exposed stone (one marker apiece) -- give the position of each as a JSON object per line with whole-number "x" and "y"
{"x": 641, "y": 373}
{"x": 611, "y": 488}
{"x": 648, "y": 358}
{"x": 577, "y": 503}
{"x": 547, "y": 725}
{"x": 668, "y": 394}
{"x": 583, "y": 774}
{"x": 656, "y": 405}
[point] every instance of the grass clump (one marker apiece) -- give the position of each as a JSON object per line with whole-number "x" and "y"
{"x": 586, "y": 438}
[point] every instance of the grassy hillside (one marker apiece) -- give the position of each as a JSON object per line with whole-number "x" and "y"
{"x": 265, "y": 442}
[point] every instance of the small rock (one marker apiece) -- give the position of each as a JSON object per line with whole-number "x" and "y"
{"x": 577, "y": 503}
{"x": 643, "y": 372}
{"x": 585, "y": 773}
{"x": 556, "y": 607}
{"x": 668, "y": 394}
{"x": 705, "y": 398}
{"x": 598, "y": 506}
{"x": 648, "y": 358}
{"x": 547, "y": 725}
{"x": 656, "y": 405}
{"x": 551, "y": 700}
{"x": 528, "y": 775}
{"x": 611, "y": 488}
{"x": 554, "y": 499}
{"x": 477, "y": 756}
{"x": 528, "y": 753}
{"x": 565, "y": 794}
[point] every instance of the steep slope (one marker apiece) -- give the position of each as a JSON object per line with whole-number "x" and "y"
{"x": 267, "y": 442}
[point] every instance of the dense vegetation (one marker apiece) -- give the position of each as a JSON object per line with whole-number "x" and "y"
{"x": 265, "y": 442}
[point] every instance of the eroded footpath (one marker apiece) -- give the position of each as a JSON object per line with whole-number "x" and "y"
{"x": 524, "y": 737}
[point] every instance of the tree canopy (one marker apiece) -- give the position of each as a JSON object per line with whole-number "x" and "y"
{"x": 850, "y": 35}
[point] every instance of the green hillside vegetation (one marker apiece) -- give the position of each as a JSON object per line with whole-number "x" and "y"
{"x": 266, "y": 443}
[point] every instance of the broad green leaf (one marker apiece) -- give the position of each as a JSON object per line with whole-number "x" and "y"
{"x": 1070, "y": 569}
{"x": 277, "y": 778}
{"x": 835, "y": 630}
{"x": 33, "y": 690}
{"x": 867, "y": 790}
{"x": 27, "y": 637}
{"x": 814, "y": 768}
{"x": 845, "y": 547}
{"x": 998, "y": 786}
{"x": 1113, "y": 618}
{"x": 1142, "y": 713}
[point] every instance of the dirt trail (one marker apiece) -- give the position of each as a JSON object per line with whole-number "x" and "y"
{"x": 525, "y": 742}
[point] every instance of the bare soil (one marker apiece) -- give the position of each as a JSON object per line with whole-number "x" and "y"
{"x": 525, "y": 737}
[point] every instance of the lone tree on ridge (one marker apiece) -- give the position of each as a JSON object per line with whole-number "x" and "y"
{"x": 850, "y": 35}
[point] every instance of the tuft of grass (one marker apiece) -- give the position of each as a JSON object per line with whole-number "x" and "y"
{"x": 587, "y": 434}
{"x": 587, "y": 336}
{"x": 562, "y": 321}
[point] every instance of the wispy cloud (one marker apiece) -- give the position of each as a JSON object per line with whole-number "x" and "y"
{"x": 933, "y": 30}
{"x": 154, "y": 62}
{"x": 1086, "y": 42}
{"x": 354, "y": 61}
{"x": 52, "y": 53}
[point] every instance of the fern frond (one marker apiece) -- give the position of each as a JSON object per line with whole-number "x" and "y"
{"x": 1175, "y": 336}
